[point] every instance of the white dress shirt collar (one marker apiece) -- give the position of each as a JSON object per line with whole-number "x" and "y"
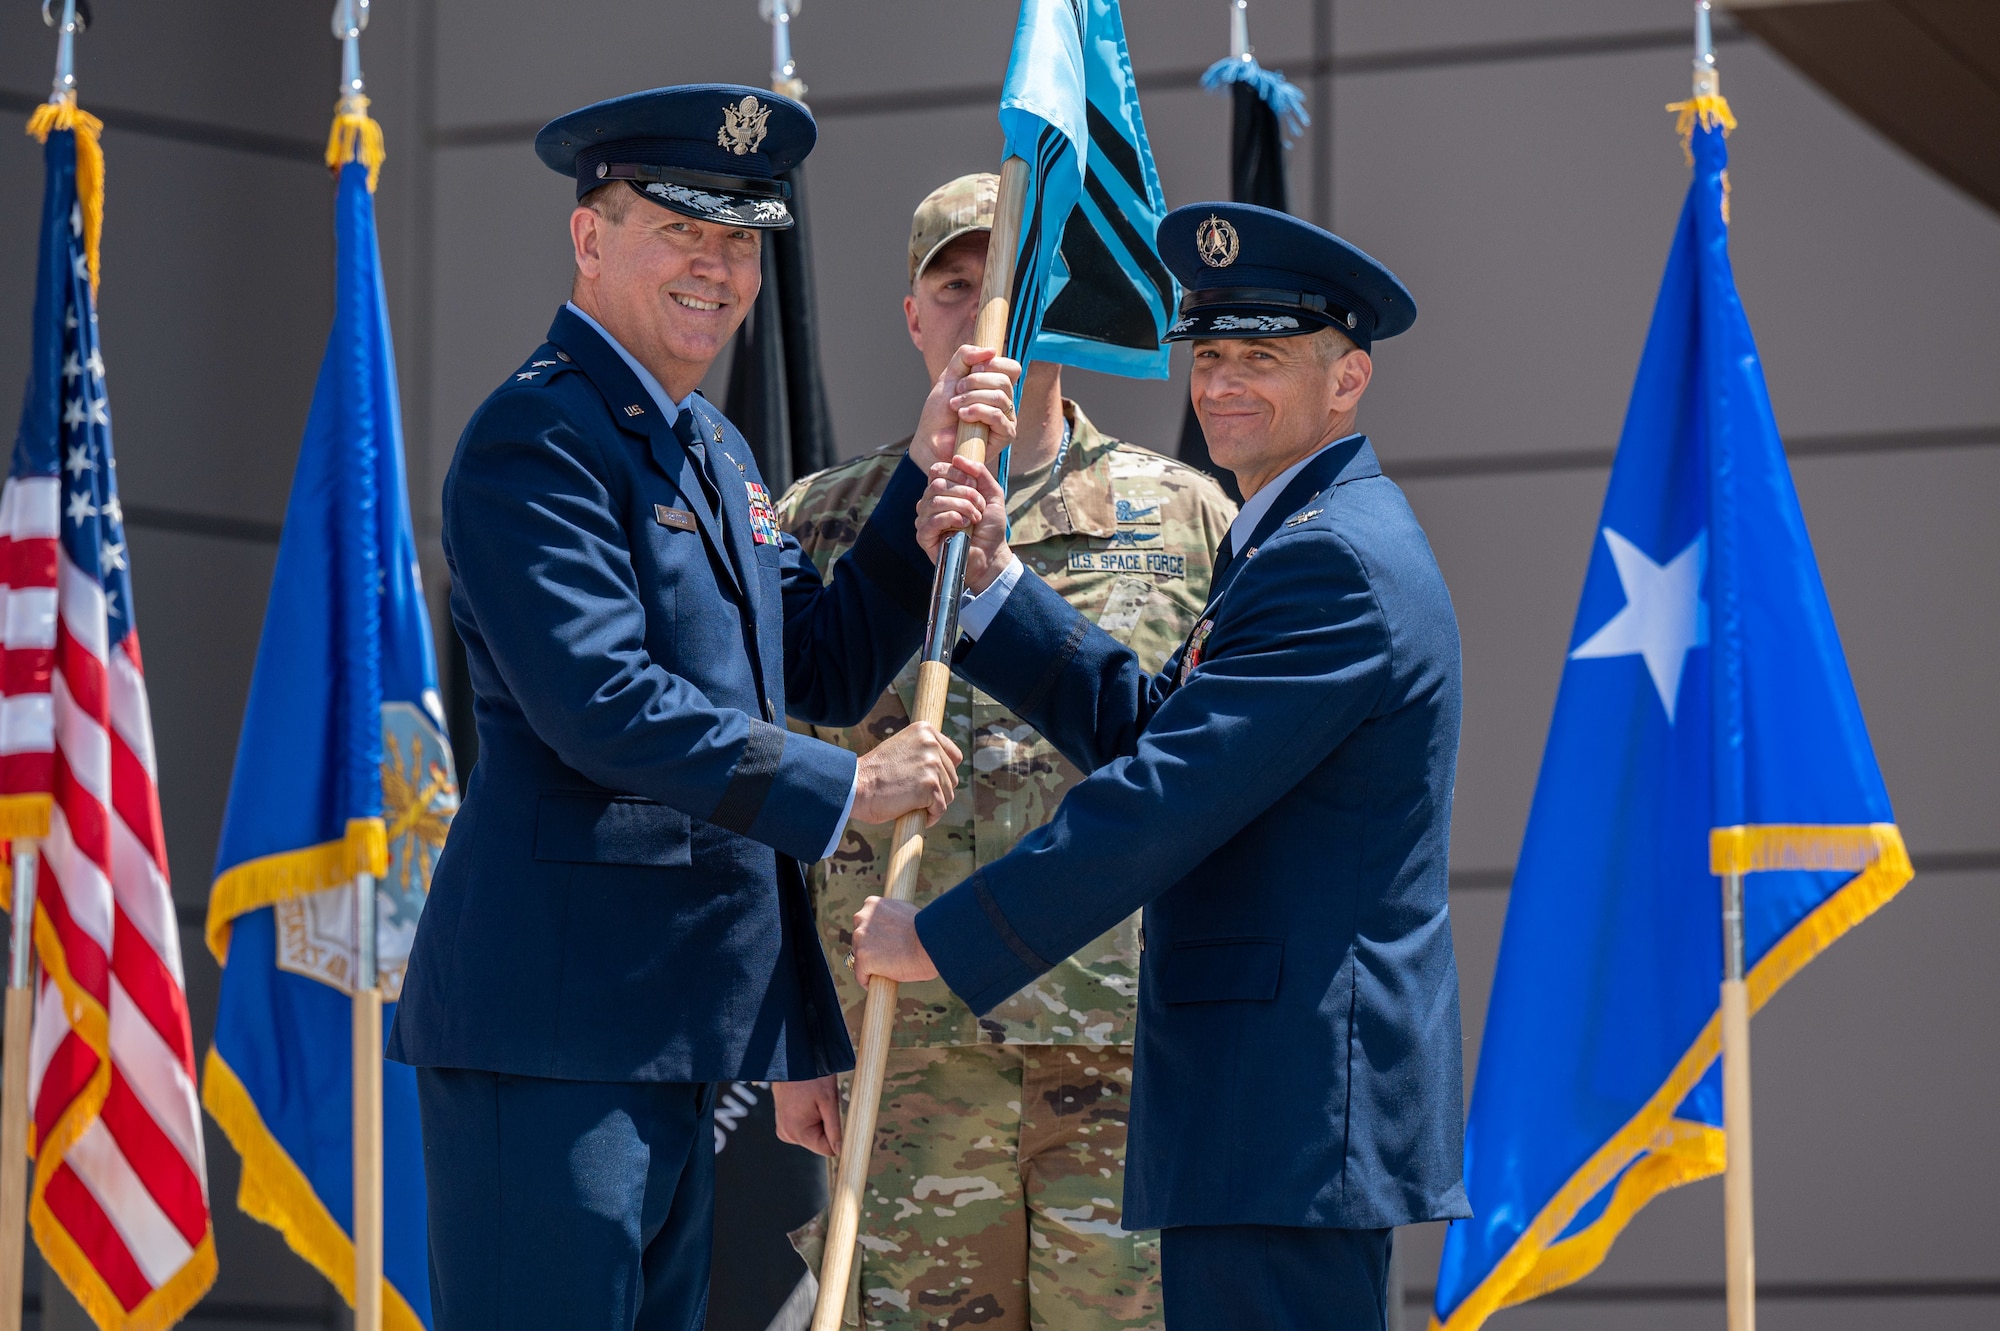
{"x": 1258, "y": 505}
{"x": 668, "y": 407}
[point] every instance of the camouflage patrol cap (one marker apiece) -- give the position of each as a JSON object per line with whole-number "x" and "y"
{"x": 950, "y": 211}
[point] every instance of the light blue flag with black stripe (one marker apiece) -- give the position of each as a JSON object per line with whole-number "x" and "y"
{"x": 1089, "y": 288}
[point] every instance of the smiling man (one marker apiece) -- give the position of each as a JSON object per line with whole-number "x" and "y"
{"x": 1277, "y": 800}
{"x": 619, "y": 918}
{"x": 1025, "y": 1107}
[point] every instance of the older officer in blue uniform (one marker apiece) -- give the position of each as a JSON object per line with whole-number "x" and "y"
{"x": 619, "y": 918}
{"x": 1277, "y": 799}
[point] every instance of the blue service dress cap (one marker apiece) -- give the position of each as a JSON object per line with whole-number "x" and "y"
{"x": 1247, "y": 271}
{"x": 711, "y": 151}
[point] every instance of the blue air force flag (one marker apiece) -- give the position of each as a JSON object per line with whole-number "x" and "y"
{"x": 1706, "y": 724}
{"x": 1089, "y": 289}
{"x": 342, "y": 768}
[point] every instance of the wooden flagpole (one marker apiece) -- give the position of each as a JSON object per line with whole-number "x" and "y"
{"x": 907, "y": 841}
{"x": 20, "y": 1023}
{"x": 1738, "y": 1225}
{"x": 1739, "y": 1230}
{"x": 367, "y": 1054}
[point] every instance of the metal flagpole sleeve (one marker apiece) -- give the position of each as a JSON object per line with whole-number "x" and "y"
{"x": 20, "y": 1022}
{"x": 1740, "y": 1235}
{"x": 367, "y": 1113}
{"x": 785, "y": 79}
{"x": 843, "y": 1219}
{"x": 349, "y": 18}
{"x": 69, "y": 24}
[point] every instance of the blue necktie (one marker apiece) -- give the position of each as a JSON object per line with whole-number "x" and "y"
{"x": 684, "y": 430}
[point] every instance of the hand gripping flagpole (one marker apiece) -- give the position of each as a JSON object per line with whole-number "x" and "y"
{"x": 907, "y": 841}
{"x": 1739, "y": 1228}
{"x": 349, "y": 18}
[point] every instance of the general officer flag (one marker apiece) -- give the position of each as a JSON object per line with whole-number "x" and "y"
{"x": 342, "y": 768}
{"x": 1089, "y": 288}
{"x": 120, "y": 1201}
{"x": 1705, "y": 724}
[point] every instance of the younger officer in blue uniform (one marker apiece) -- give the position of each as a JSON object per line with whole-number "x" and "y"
{"x": 1277, "y": 799}
{"x": 619, "y": 919}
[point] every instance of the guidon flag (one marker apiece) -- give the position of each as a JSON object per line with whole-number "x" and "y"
{"x": 1089, "y": 288}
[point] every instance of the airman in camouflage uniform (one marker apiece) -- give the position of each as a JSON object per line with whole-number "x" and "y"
{"x": 999, "y": 1156}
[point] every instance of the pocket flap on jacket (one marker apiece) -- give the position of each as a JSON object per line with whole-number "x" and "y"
{"x": 611, "y": 829}
{"x": 1226, "y": 970}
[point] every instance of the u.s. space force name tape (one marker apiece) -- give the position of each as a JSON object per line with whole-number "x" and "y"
{"x": 1158, "y": 563}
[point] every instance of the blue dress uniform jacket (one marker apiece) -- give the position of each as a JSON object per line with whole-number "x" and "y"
{"x": 620, "y": 898}
{"x": 1278, "y": 800}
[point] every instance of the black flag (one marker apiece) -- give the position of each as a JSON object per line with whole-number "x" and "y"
{"x": 1263, "y": 108}
{"x": 775, "y": 395}
{"x": 763, "y": 1190}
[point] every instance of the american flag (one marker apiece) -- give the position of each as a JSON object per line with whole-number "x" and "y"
{"x": 120, "y": 1201}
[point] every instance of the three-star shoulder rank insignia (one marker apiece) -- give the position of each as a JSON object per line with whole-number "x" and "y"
{"x": 635, "y": 410}
{"x": 1301, "y": 519}
{"x": 538, "y": 364}
{"x": 527, "y": 374}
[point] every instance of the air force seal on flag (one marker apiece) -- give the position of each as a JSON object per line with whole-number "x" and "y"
{"x": 419, "y": 796}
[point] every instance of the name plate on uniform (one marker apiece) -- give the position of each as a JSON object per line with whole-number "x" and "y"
{"x": 1156, "y": 562}
{"x": 677, "y": 518}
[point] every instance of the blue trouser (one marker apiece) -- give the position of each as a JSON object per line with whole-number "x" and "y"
{"x": 567, "y": 1204}
{"x": 1275, "y": 1278}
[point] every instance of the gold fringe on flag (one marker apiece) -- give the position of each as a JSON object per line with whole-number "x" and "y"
{"x": 355, "y": 137}
{"x": 1678, "y": 1151}
{"x": 294, "y": 873}
{"x": 89, "y": 166}
{"x": 1808, "y": 846}
{"x": 274, "y": 1190}
{"x": 1708, "y": 110}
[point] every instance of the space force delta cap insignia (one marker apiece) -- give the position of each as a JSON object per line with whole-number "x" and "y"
{"x": 710, "y": 151}
{"x": 1253, "y": 272}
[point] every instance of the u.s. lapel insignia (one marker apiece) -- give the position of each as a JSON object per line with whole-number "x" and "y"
{"x": 1301, "y": 519}
{"x": 635, "y": 410}
{"x": 1215, "y": 241}
{"x": 1196, "y": 641}
{"x": 743, "y": 126}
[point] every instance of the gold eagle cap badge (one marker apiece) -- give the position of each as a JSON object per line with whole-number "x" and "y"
{"x": 743, "y": 126}
{"x": 1215, "y": 241}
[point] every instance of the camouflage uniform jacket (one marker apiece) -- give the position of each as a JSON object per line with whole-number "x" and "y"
{"x": 1128, "y": 537}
